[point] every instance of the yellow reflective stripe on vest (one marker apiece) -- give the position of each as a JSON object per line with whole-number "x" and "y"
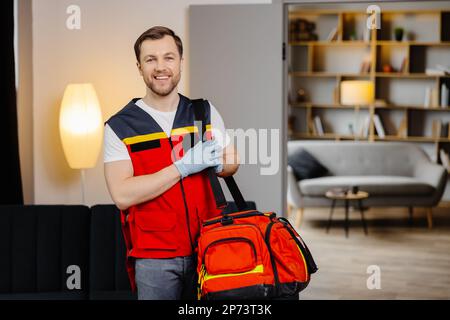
{"x": 183, "y": 130}
{"x": 145, "y": 137}
{"x": 258, "y": 269}
{"x": 161, "y": 135}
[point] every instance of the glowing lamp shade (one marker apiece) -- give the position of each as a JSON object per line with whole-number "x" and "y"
{"x": 357, "y": 92}
{"x": 81, "y": 125}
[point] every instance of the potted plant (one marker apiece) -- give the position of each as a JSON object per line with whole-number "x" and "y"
{"x": 398, "y": 32}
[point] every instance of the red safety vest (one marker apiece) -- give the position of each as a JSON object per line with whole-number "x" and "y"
{"x": 167, "y": 226}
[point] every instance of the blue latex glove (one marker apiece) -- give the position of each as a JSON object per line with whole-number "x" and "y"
{"x": 203, "y": 155}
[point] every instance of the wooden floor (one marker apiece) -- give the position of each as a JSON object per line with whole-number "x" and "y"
{"x": 414, "y": 261}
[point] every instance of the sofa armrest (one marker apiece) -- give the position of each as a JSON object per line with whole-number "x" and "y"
{"x": 434, "y": 175}
{"x": 431, "y": 173}
{"x": 294, "y": 196}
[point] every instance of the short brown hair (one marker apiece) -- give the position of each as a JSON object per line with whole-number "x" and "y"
{"x": 156, "y": 33}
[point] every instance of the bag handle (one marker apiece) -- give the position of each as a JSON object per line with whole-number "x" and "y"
{"x": 200, "y": 116}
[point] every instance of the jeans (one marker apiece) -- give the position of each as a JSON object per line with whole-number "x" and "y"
{"x": 167, "y": 279}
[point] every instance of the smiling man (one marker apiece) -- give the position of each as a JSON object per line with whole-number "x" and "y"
{"x": 158, "y": 181}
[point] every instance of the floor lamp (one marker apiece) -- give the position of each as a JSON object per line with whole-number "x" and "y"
{"x": 357, "y": 93}
{"x": 81, "y": 128}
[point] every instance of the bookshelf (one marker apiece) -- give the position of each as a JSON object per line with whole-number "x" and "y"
{"x": 405, "y": 74}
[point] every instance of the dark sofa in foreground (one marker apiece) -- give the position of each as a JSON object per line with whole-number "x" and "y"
{"x": 64, "y": 252}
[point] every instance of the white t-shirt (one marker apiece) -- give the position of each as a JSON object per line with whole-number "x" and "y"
{"x": 114, "y": 149}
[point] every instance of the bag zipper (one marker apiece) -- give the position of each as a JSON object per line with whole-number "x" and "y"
{"x": 202, "y": 274}
{"x": 237, "y": 239}
{"x": 252, "y": 213}
{"x": 239, "y": 224}
{"x": 312, "y": 267}
{"x": 272, "y": 258}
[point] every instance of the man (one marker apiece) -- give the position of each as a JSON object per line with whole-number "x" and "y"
{"x": 156, "y": 179}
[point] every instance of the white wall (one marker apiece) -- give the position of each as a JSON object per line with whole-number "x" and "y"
{"x": 101, "y": 53}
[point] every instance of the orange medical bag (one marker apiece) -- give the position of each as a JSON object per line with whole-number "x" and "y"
{"x": 249, "y": 254}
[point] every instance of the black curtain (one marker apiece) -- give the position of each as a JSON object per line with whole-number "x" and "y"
{"x": 11, "y": 183}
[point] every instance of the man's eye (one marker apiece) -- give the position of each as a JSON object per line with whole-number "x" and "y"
{"x": 169, "y": 58}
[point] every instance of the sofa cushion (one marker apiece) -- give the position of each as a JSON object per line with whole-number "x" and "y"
{"x": 374, "y": 185}
{"x": 108, "y": 278}
{"x": 305, "y": 165}
{"x": 44, "y": 250}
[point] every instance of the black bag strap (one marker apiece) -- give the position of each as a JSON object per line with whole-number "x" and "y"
{"x": 200, "y": 116}
{"x": 199, "y": 111}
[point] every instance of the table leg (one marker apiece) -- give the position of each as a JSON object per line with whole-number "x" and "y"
{"x": 346, "y": 218}
{"x": 362, "y": 217}
{"x": 331, "y": 214}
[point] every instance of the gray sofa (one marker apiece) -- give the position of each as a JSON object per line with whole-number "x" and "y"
{"x": 393, "y": 173}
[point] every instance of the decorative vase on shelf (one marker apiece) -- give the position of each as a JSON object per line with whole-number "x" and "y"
{"x": 301, "y": 95}
{"x": 398, "y": 33}
{"x": 387, "y": 68}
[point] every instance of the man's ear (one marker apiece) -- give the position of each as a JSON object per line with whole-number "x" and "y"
{"x": 181, "y": 64}
{"x": 138, "y": 65}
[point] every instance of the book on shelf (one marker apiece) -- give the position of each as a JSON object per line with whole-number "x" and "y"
{"x": 336, "y": 95}
{"x": 405, "y": 65}
{"x": 367, "y": 34}
{"x": 403, "y": 128}
{"x": 444, "y": 96}
{"x": 333, "y": 35}
{"x": 318, "y": 126}
{"x": 436, "y": 128}
{"x": 445, "y": 69}
{"x": 438, "y": 70}
{"x": 444, "y": 129}
{"x": 379, "y": 126}
{"x": 431, "y": 97}
{"x": 444, "y": 159}
{"x": 365, "y": 65}
{"x": 364, "y": 132}
{"x": 312, "y": 128}
{"x": 435, "y": 97}
{"x": 434, "y": 72}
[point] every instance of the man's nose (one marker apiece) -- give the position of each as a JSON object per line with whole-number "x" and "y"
{"x": 160, "y": 64}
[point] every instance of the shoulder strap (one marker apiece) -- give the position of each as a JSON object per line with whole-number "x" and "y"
{"x": 200, "y": 116}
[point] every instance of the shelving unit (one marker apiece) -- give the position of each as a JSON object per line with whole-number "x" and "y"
{"x": 320, "y": 65}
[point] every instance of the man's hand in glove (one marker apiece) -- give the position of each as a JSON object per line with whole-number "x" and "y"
{"x": 203, "y": 155}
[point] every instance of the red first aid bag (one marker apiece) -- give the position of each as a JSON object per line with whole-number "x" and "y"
{"x": 249, "y": 254}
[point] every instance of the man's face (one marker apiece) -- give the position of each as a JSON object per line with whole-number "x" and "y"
{"x": 160, "y": 65}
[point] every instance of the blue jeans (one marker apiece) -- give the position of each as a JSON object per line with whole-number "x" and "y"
{"x": 167, "y": 279}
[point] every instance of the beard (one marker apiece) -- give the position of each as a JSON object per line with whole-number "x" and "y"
{"x": 163, "y": 90}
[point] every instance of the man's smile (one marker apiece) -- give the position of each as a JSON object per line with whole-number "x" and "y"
{"x": 161, "y": 78}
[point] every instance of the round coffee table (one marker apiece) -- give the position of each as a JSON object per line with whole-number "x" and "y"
{"x": 347, "y": 197}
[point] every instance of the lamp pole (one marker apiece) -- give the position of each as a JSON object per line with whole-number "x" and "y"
{"x": 83, "y": 184}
